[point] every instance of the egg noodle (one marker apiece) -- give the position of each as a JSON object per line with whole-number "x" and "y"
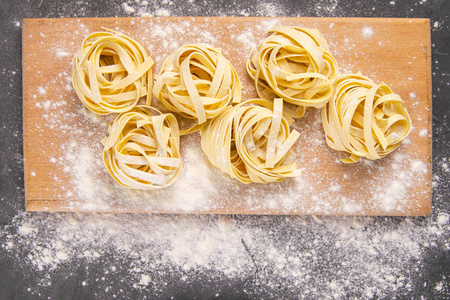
{"x": 197, "y": 82}
{"x": 252, "y": 142}
{"x": 142, "y": 149}
{"x": 294, "y": 64}
{"x": 111, "y": 72}
{"x": 364, "y": 119}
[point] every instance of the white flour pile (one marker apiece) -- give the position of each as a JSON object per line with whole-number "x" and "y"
{"x": 282, "y": 257}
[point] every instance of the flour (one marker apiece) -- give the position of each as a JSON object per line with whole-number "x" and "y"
{"x": 61, "y": 54}
{"x": 42, "y": 91}
{"x": 418, "y": 166}
{"x": 347, "y": 249}
{"x": 423, "y": 132}
{"x": 390, "y": 196}
{"x": 145, "y": 280}
{"x": 162, "y": 13}
{"x": 444, "y": 165}
{"x": 128, "y": 9}
{"x": 367, "y": 32}
{"x": 442, "y": 219}
{"x": 247, "y": 38}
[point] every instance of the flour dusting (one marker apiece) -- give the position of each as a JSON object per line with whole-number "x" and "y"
{"x": 367, "y": 32}
{"x": 347, "y": 249}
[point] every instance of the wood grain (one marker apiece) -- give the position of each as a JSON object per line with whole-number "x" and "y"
{"x": 396, "y": 51}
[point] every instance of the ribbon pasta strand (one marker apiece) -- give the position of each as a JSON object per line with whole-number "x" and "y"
{"x": 142, "y": 149}
{"x": 251, "y": 142}
{"x": 197, "y": 82}
{"x": 111, "y": 72}
{"x": 294, "y": 64}
{"x": 364, "y": 119}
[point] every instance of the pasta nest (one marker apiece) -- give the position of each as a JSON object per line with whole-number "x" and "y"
{"x": 111, "y": 72}
{"x": 197, "y": 82}
{"x": 251, "y": 142}
{"x": 295, "y": 64}
{"x": 364, "y": 119}
{"x": 142, "y": 149}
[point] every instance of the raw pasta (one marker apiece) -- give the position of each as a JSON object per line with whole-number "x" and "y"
{"x": 142, "y": 149}
{"x": 364, "y": 119}
{"x": 251, "y": 142}
{"x": 197, "y": 82}
{"x": 295, "y": 64}
{"x": 111, "y": 72}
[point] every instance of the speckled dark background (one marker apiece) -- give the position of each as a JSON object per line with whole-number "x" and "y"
{"x": 13, "y": 276}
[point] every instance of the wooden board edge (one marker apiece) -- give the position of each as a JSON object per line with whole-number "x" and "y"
{"x": 61, "y": 206}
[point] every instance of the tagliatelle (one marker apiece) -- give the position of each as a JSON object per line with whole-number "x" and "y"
{"x": 251, "y": 142}
{"x": 142, "y": 149}
{"x": 295, "y": 64}
{"x": 111, "y": 72}
{"x": 364, "y": 119}
{"x": 197, "y": 82}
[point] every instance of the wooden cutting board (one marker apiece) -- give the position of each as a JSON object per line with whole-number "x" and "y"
{"x": 62, "y": 150}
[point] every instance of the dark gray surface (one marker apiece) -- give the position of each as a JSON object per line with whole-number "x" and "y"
{"x": 14, "y": 275}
